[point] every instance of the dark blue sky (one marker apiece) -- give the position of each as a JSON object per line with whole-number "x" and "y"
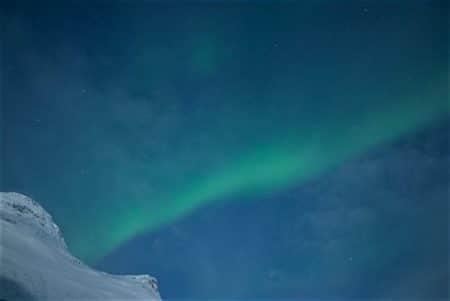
{"x": 375, "y": 227}
{"x": 237, "y": 149}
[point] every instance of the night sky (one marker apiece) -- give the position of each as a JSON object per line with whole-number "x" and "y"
{"x": 237, "y": 149}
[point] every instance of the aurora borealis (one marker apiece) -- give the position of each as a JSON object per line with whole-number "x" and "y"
{"x": 125, "y": 119}
{"x": 275, "y": 165}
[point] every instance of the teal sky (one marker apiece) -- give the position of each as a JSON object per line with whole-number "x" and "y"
{"x": 124, "y": 119}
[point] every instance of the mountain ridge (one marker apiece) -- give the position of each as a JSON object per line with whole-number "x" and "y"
{"x": 34, "y": 257}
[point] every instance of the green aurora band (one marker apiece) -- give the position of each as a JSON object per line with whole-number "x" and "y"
{"x": 297, "y": 150}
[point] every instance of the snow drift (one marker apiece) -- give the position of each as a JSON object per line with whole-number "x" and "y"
{"x": 36, "y": 265}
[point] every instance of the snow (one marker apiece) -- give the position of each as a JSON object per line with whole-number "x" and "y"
{"x": 35, "y": 263}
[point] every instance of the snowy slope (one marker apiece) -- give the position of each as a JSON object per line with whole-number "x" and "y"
{"x": 36, "y": 265}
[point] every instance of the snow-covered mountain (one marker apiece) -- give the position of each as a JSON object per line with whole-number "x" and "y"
{"x": 36, "y": 265}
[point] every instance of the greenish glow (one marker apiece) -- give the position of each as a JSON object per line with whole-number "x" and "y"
{"x": 204, "y": 56}
{"x": 297, "y": 150}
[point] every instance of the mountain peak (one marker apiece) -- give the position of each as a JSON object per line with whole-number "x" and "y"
{"x": 16, "y": 207}
{"x": 36, "y": 259}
